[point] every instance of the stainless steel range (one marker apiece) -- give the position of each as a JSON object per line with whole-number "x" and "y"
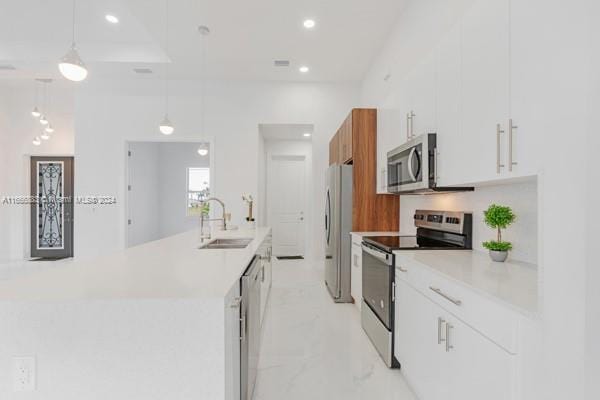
{"x": 436, "y": 230}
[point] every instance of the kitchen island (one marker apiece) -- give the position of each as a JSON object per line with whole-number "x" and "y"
{"x": 149, "y": 322}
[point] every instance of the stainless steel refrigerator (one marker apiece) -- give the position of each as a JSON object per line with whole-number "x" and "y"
{"x": 338, "y": 224}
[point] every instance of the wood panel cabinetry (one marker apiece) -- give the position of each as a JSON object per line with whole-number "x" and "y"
{"x": 334, "y": 150}
{"x": 355, "y": 143}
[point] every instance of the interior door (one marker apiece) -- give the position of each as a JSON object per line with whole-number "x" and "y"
{"x": 52, "y": 213}
{"x": 286, "y": 204}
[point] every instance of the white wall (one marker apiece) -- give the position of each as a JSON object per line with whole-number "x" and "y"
{"x": 111, "y": 113}
{"x": 297, "y": 148}
{"x": 592, "y": 332}
{"x": 521, "y": 197}
{"x": 174, "y": 160}
{"x": 562, "y": 55}
{"x": 17, "y": 129}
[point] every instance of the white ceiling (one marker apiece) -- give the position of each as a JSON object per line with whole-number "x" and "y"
{"x": 285, "y": 131}
{"x": 246, "y": 37}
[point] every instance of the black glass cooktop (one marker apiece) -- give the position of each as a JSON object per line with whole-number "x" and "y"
{"x": 391, "y": 243}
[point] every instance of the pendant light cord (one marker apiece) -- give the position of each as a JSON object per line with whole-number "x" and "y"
{"x": 73, "y": 26}
{"x": 203, "y": 88}
{"x": 167, "y": 54}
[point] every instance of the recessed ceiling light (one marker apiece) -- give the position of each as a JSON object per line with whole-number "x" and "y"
{"x": 111, "y": 18}
{"x": 307, "y": 134}
{"x": 309, "y": 23}
{"x": 304, "y": 69}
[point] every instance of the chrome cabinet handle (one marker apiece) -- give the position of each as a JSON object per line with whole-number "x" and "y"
{"x": 441, "y": 322}
{"x": 511, "y": 127}
{"x": 448, "y": 345}
{"x": 407, "y": 126}
{"x": 393, "y": 292}
{"x": 444, "y": 295}
{"x": 236, "y": 302}
{"x": 377, "y": 254}
{"x": 243, "y": 328}
{"x": 412, "y": 115}
{"x": 499, "y": 132}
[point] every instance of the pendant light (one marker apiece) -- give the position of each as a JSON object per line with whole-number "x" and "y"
{"x": 36, "y": 141}
{"x": 36, "y": 112}
{"x": 49, "y": 128}
{"x": 45, "y": 135}
{"x": 204, "y": 31}
{"x": 166, "y": 127}
{"x": 71, "y": 66}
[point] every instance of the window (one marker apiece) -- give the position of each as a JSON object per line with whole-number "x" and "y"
{"x": 198, "y": 190}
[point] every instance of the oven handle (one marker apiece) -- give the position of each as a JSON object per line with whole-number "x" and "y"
{"x": 385, "y": 257}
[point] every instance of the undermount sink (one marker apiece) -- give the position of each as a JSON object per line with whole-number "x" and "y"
{"x": 226, "y": 244}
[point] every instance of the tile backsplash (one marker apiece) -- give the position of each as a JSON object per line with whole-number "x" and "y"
{"x": 521, "y": 197}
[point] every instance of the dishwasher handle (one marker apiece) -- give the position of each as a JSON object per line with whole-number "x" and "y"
{"x": 380, "y": 255}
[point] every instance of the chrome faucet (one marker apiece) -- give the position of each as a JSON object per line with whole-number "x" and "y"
{"x": 203, "y": 218}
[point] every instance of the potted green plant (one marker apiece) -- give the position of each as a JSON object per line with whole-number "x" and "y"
{"x": 498, "y": 217}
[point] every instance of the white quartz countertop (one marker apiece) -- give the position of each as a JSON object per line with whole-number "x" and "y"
{"x": 512, "y": 283}
{"x": 172, "y": 267}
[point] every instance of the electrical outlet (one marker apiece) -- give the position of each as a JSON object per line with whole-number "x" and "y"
{"x": 24, "y": 374}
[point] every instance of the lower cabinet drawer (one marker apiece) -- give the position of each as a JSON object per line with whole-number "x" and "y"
{"x": 496, "y": 322}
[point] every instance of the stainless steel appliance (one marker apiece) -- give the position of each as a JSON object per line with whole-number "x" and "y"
{"x": 412, "y": 167}
{"x": 338, "y": 223}
{"x": 250, "y": 328}
{"x": 436, "y": 230}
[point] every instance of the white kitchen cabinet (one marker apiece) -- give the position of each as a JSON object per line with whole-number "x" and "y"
{"x": 390, "y": 134}
{"x": 266, "y": 274}
{"x": 484, "y": 89}
{"x": 452, "y": 165}
{"x": 478, "y": 368}
{"x": 529, "y": 78}
{"x": 444, "y": 358}
{"x": 415, "y": 337}
{"x": 232, "y": 343}
{"x": 420, "y": 91}
{"x": 356, "y": 275}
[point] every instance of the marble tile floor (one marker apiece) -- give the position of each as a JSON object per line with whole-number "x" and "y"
{"x": 315, "y": 349}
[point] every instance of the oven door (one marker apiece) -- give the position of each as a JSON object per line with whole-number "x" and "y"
{"x": 409, "y": 165}
{"x": 377, "y": 281}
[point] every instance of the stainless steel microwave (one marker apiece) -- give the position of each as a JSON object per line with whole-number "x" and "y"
{"x": 412, "y": 168}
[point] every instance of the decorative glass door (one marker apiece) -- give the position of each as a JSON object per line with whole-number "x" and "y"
{"x": 52, "y": 210}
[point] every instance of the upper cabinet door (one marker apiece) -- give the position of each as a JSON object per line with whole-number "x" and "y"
{"x": 345, "y": 133}
{"x": 530, "y": 76}
{"x": 390, "y": 134}
{"x": 450, "y": 143}
{"x": 420, "y": 87}
{"x": 485, "y": 88}
{"x": 334, "y": 149}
